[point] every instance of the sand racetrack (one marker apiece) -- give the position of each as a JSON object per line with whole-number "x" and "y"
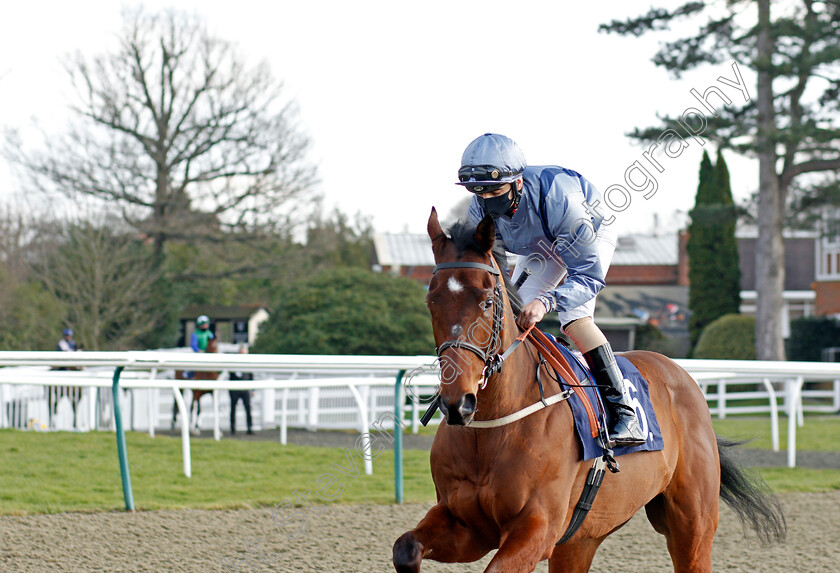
{"x": 358, "y": 538}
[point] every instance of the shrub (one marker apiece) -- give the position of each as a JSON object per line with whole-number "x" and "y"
{"x": 649, "y": 337}
{"x": 349, "y": 311}
{"x": 809, "y": 335}
{"x": 730, "y": 337}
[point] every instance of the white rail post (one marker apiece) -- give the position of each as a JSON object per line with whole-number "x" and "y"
{"x": 152, "y": 404}
{"x": 284, "y": 425}
{"x": 3, "y": 400}
{"x": 774, "y": 414}
{"x": 364, "y": 428}
{"x": 268, "y": 408}
{"x": 721, "y": 399}
{"x": 793, "y": 391}
{"x": 835, "y": 402}
{"x": 800, "y": 409}
{"x": 185, "y": 431}
{"x": 312, "y": 417}
{"x": 217, "y": 427}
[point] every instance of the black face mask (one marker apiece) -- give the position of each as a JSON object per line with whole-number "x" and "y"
{"x": 501, "y": 205}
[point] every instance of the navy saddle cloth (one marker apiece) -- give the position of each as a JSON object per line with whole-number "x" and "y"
{"x": 639, "y": 397}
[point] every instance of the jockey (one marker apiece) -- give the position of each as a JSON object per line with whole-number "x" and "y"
{"x": 66, "y": 344}
{"x": 548, "y": 215}
{"x": 199, "y": 338}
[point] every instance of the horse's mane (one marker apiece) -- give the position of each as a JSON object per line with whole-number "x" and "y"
{"x": 462, "y": 234}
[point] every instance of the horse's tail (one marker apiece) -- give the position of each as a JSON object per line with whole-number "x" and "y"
{"x": 750, "y": 496}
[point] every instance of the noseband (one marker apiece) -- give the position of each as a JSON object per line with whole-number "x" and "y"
{"x": 492, "y": 361}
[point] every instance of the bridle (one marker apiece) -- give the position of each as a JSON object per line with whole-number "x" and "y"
{"x": 493, "y": 360}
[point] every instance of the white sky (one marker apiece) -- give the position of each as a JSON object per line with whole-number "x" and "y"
{"x": 392, "y": 92}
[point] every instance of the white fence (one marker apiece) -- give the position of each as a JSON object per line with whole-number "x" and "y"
{"x": 330, "y": 392}
{"x": 305, "y": 391}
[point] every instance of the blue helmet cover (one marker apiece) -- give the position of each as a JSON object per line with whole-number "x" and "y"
{"x": 496, "y": 150}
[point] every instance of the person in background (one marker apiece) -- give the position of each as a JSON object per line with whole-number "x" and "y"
{"x": 244, "y": 395}
{"x": 67, "y": 344}
{"x": 202, "y": 334}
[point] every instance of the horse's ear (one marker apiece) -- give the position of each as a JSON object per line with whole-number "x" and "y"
{"x": 433, "y": 227}
{"x": 485, "y": 233}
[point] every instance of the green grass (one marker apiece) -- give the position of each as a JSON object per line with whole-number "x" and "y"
{"x": 62, "y": 471}
{"x": 820, "y": 433}
{"x": 787, "y": 480}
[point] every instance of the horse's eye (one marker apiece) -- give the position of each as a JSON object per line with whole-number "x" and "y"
{"x": 486, "y": 304}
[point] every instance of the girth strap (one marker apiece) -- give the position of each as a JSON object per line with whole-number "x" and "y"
{"x": 587, "y": 497}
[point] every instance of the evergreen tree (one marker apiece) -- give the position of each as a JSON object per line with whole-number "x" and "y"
{"x": 788, "y": 123}
{"x": 700, "y": 247}
{"x": 712, "y": 250}
{"x": 349, "y": 311}
{"x": 729, "y": 277}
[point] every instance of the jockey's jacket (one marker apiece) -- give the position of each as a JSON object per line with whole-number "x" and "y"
{"x": 199, "y": 339}
{"x": 552, "y": 221}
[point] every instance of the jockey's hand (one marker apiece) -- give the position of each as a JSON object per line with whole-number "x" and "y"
{"x": 532, "y": 313}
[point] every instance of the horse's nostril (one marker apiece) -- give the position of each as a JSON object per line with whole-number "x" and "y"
{"x": 467, "y": 407}
{"x": 444, "y": 407}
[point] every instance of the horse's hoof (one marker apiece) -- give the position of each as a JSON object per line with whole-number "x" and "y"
{"x": 408, "y": 552}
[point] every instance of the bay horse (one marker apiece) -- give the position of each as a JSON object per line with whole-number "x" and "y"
{"x": 212, "y": 347}
{"x": 514, "y": 487}
{"x": 56, "y": 393}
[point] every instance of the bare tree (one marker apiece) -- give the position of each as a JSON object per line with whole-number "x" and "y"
{"x": 105, "y": 279}
{"x": 30, "y": 316}
{"x": 174, "y": 129}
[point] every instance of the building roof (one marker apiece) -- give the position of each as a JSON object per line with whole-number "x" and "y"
{"x": 631, "y": 300}
{"x": 646, "y": 250}
{"x": 409, "y": 249}
{"x": 403, "y": 249}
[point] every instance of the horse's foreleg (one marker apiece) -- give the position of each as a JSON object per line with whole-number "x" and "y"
{"x": 525, "y": 545}
{"x": 575, "y": 557}
{"x": 438, "y": 536}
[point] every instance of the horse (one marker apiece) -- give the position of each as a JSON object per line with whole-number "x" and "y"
{"x": 514, "y": 487}
{"x": 212, "y": 347}
{"x": 56, "y": 393}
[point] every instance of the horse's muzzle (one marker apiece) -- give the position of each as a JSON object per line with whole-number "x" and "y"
{"x": 461, "y": 412}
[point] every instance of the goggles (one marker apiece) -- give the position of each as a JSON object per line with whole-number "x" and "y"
{"x": 484, "y": 188}
{"x": 483, "y": 173}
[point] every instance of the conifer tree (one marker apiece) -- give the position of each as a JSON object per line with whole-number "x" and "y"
{"x": 729, "y": 277}
{"x": 714, "y": 273}
{"x": 700, "y": 247}
{"x": 789, "y": 124}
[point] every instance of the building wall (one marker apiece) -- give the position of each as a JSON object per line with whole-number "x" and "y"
{"x": 800, "y": 262}
{"x": 643, "y": 275}
{"x": 828, "y": 297}
{"x": 682, "y": 255}
{"x": 422, "y": 274}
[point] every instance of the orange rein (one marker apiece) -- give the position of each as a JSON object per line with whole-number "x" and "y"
{"x": 557, "y": 361}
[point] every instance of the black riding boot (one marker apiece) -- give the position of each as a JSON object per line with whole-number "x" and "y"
{"x": 625, "y": 430}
